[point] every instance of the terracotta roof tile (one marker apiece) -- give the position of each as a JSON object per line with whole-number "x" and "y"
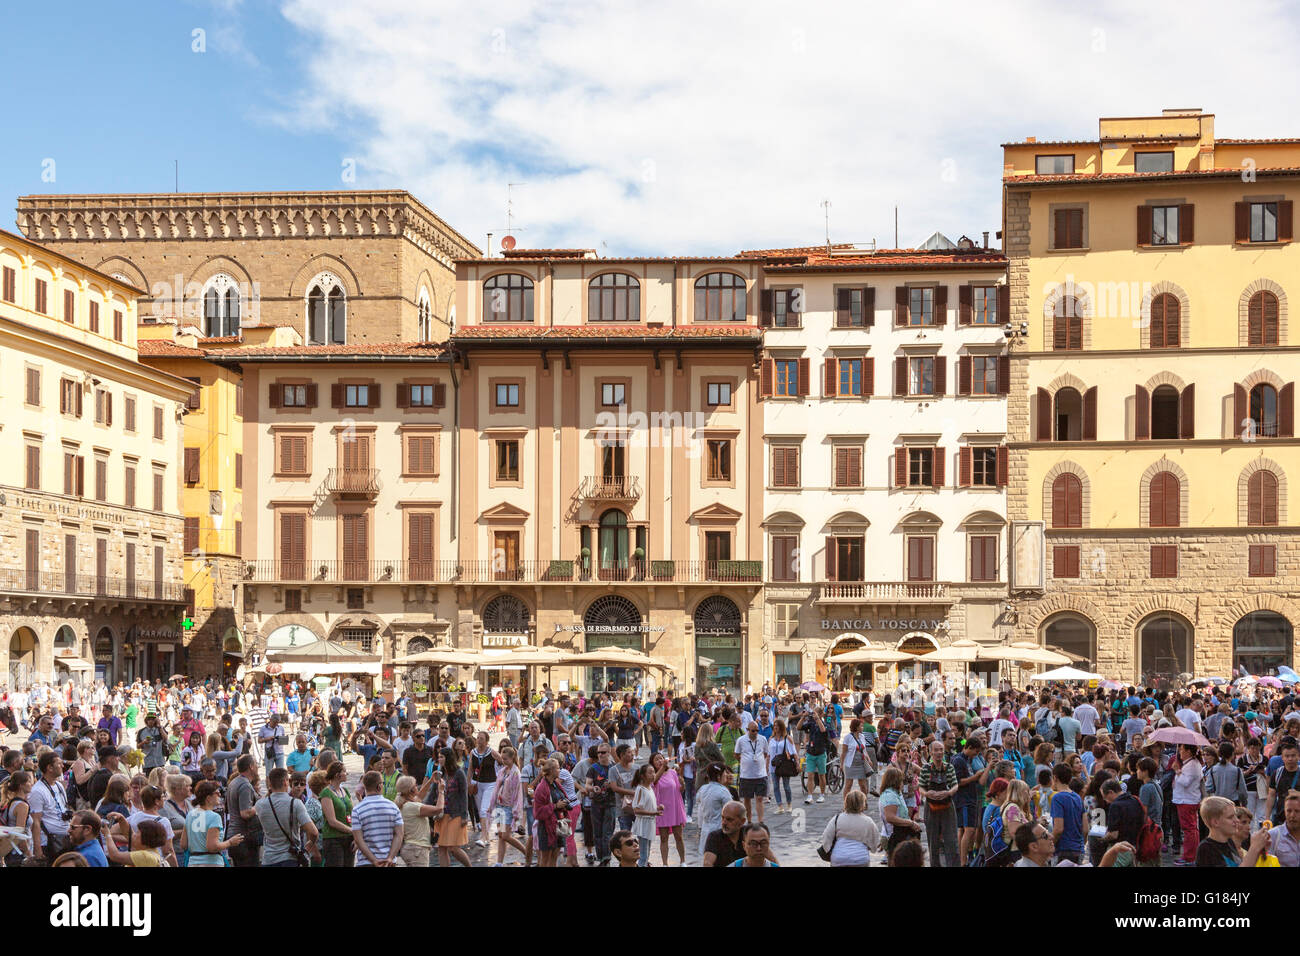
{"x": 738, "y": 330}
{"x": 166, "y": 348}
{"x": 428, "y": 349}
{"x": 1033, "y": 179}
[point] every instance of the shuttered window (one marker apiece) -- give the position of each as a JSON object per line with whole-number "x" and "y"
{"x": 421, "y": 455}
{"x": 33, "y": 476}
{"x": 848, "y": 466}
{"x": 157, "y": 422}
{"x": 1067, "y": 325}
{"x": 1262, "y": 560}
{"x": 191, "y": 466}
{"x": 356, "y": 550}
{"x": 94, "y": 317}
{"x": 920, "y": 557}
{"x": 419, "y": 544}
{"x": 1166, "y": 499}
{"x": 239, "y": 537}
{"x": 69, "y": 306}
{"x": 1068, "y": 231}
{"x": 239, "y": 470}
{"x": 785, "y": 558}
{"x": 128, "y": 483}
{"x": 785, "y": 466}
{"x": 117, "y": 326}
{"x": 128, "y": 413}
{"x": 1164, "y": 561}
{"x": 1067, "y": 502}
{"x": 9, "y": 285}
{"x": 34, "y": 386}
{"x": 1261, "y": 319}
{"x": 1261, "y": 499}
{"x": 293, "y": 546}
{"x": 719, "y": 459}
{"x": 101, "y": 479}
{"x": 42, "y": 294}
{"x": 191, "y": 535}
{"x": 158, "y": 491}
{"x": 983, "y": 557}
{"x": 1166, "y": 315}
{"x": 293, "y": 454}
{"x": 1065, "y": 561}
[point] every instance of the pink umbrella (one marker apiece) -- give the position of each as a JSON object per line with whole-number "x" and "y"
{"x": 1269, "y": 682}
{"x": 1178, "y": 735}
{"x": 1111, "y": 685}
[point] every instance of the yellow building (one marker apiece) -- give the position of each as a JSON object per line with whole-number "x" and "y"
{"x": 1151, "y": 413}
{"x": 90, "y": 541}
{"x": 211, "y": 498}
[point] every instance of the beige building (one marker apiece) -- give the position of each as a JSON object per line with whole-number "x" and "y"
{"x": 90, "y": 535}
{"x": 339, "y": 267}
{"x": 610, "y": 461}
{"x": 1151, "y": 415}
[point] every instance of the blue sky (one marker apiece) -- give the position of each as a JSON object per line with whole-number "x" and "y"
{"x": 671, "y": 127}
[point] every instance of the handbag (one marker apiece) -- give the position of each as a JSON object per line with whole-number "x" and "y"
{"x": 824, "y": 853}
{"x": 296, "y": 849}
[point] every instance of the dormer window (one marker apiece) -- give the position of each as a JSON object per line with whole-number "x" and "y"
{"x": 1153, "y": 162}
{"x": 1054, "y": 165}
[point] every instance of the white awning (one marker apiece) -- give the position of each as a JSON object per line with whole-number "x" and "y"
{"x": 74, "y": 663}
{"x": 332, "y": 667}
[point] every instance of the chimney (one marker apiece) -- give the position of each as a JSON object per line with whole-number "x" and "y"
{"x": 1031, "y": 139}
{"x": 986, "y": 239}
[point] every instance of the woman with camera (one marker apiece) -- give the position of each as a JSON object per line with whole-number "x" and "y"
{"x": 548, "y": 805}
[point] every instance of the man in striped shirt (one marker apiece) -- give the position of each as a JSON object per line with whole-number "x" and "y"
{"x": 376, "y": 825}
{"x": 257, "y": 719}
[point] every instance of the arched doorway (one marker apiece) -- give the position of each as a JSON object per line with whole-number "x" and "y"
{"x": 1261, "y": 642}
{"x": 612, "y": 621}
{"x": 917, "y": 670}
{"x": 717, "y": 644}
{"x": 23, "y": 648}
{"x": 505, "y": 624}
{"x": 1164, "y": 650}
{"x": 104, "y": 666}
{"x": 846, "y": 677}
{"x": 1073, "y": 636}
{"x": 417, "y": 678}
{"x": 232, "y": 652}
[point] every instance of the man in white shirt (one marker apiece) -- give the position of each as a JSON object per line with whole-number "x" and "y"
{"x": 48, "y": 803}
{"x": 1087, "y": 716}
{"x": 514, "y": 722}
{"x": 1000, "y": 723}
{"x": 1190, "y": 716}
{"x": 754, "y": 768}
{"x": 272, "y": 739}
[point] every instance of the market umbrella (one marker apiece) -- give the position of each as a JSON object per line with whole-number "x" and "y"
{"x": 1111, "y": 685}
{"x": 812, "y": 686}
{"x": 1178, "y": 735}
{"x": 446, "y": 656}
{"x": 873, "y": 655}
{"x": 1212, "y": 680}
{"x": 964, "y": 651}
{"x": 1024, "y": 651}
{"x": 1067, "y": 673}
{"x": 614, "y": 655}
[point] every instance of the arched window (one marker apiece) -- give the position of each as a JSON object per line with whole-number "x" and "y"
{"x": 423, "y": 318}
{"x": 1261, "y": 499}
{"x": 1261, "y": 643}
{"x": 221, "y": 306}
{"x": 1164, "y": 412}
{"x": 1067, "y": 324}
{"x": 720, "y": 297}
{"x": 1166, "y": 501}
{"x": 508, "y": 298}
{"x": 1263, "y": 409}
{"x": 1166, "y": 321}
{"x": 1068, "y": 409}
{"x": 613, "y": 545}
{"x": 1262, "y": 319}
{"x": 613, "y": 614}
{"x": 1073, "y": 636}
{"x": 505, "y": 614}
{"x": 1164, "y": 651}
{"x": 614, "y": 297}
{"x": 327, "y": 311}
{"x": 1067, "y": 502}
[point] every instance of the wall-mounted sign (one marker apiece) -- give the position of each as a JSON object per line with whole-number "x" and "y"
{"x": 505, "y": 640}
{"x": 884, "y": 624}
{"x": 610, "y": 629}
{"x": 65, "y": 510}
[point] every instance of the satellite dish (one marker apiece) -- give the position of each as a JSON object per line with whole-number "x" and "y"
{"x": 507, "y": 242}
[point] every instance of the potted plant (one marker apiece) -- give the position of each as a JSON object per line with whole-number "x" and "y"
{"x": 638, "y": 562}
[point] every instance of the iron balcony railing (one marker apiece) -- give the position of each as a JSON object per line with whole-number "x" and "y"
{"x": 351, "y": 481}
{"x": 268, "y": 571}
{"x": 602, "y": 488}
{"x": 62, "y": 584}
{"x": 866, "y": 591}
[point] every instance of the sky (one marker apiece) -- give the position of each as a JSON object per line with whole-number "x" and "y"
{"x": 659, "y": 128}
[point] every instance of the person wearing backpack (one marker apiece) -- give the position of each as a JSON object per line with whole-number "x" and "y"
{"x": 1282, "y": 781}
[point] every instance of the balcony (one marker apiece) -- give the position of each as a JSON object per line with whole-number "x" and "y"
{"x": 887, "y": 592}
{"x": 63, "y": 585}
{"x": 557, "y": 571}
{"x": 601, "y": 488}
{"x": 351, "y": 481}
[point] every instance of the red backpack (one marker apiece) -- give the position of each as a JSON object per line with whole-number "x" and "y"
{"x": 1150, "y": 841}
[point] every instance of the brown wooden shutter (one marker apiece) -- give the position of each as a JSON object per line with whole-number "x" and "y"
{"x": 900, "y": 467}
{"x": 1242, "y": 221}
{"x": 1284, "y": 220}
{"x": 964, "y": 306}
{"x": 1090, "y": 414}
{"x": 33, "y": 467}
{"x": 1286, "y": 411}
{"x": 336, "y": 395}
{"x": 855, "y": 467}
{"x": 239, "y": 537}
{"x": 805, "y": 374}
{"x": 868, "y": 377}
{"x": 976, "y": 558}
{"x": 900, "y": 375}
{"x": 778, "y": 467}
{"x": 843, "y": 308}
{"x": 869, "y": 306}
{"x": 940, "y": 375}
{"x": 77, "y": 393}
{"x": 1004, "y": 304}
{"x": 403, "y": 395}
{"x": 1186, "y": 223}
{"x": 841, "y": 467}
{"x": 1268, "y": 498}
{"x": 767, "y": 305}
{"x": 963, "y": 466}
{"x": 1187, "y": 412}
{"x": 191, "y": 535}
{"x": 1238, "y": 407}
{"x": 239, "y": 470}
{"x": 239, "y": 399}
{"x": 1173, "y": 322}
{"x": 81, "y": 476}
{"x": 192, "y": 399}
{"x": 312, "y": 396}
{"x": 108, "y": 408}
{"x": 191, "y": 466}
{"x": 831, "y": 572}
{"x": 830, "y": 377}
{"x": 1061, "y": 502}
{"x": 963, "y": 372}
{"x": 1141, "y": 413}
{"x": 1268, "y": 566}
{"x": 940, "y": 461}
{"x": 1157, "y": 561}
{"x": 900, "y": 305}
{"x": 941, "y": 305}
{"x": 69, "y": 474}
{"x": 1256, "y": 556}
{"x": 1004, "y": 468}
{"x": 1043, "y": 430}
{"x": 275, "y": 396}
{"x": 440, "y": 395}
{"x": 1144, "y": 225}
{"x": 1004, "y": 374}
{"x": 1156, "y": 502}
{"x": 1061, "y": 229}
{"x": 767, "y": 377}
{"x": 1255, "y": 500}
{"x": 63, "y": 397}
{"x": 372, "y": 395}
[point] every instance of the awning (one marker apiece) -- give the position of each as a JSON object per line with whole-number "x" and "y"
{"x": 74, "y": 663}
{"x": 333, "y": 667}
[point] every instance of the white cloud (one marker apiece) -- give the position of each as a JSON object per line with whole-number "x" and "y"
{"x": 684, "y": 127}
